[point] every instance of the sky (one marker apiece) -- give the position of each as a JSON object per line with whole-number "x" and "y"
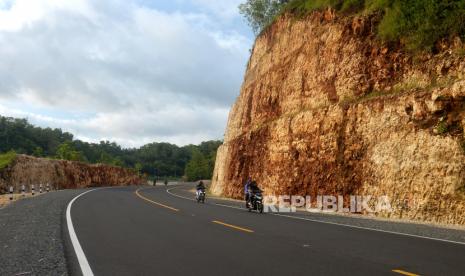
{"x": 128, "y": 71}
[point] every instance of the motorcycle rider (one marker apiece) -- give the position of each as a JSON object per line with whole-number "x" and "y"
{"x": 200, "y": 187}
{"x": 246, "y": 191}
{"x": 252, "y": 190}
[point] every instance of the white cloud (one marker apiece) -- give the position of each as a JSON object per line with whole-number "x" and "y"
{"x": 136, "y": 74}
{"x": 226, "y": 9}
{"x": 23, "y": 13}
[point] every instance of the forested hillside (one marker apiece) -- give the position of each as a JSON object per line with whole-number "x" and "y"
{"x": 155, "y": 159}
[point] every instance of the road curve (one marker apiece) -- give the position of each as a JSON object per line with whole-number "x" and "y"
{"x": 147, "y": 231}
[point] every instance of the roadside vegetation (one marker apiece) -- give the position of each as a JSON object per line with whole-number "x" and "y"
{"x": 417, "y": 24}
{"x": 6, "y": 159}
{"x": 200, "y": 166}
{"x": 156, "y": 160}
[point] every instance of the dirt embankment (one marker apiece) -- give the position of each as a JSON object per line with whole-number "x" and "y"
{"x": 326, "y": 109}
{"x": 61, "y": 174}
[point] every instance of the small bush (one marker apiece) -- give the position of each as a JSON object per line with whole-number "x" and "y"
{"x": 421, "y": 23}
{"x": 6, "y": 159}
{"x": 442, "y": 127}
{"x": 375, "y": 94}
{"x": 460, "y": 52}
{"x": 302, "y": 7}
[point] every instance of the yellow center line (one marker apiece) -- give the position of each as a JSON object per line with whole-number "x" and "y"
{"x": 404, "y": 272}
{"x": 233, "y": 226}
{"x": 154, "y": 202}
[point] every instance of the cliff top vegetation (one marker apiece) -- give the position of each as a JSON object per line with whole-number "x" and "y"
{"x": 416, "y": 24}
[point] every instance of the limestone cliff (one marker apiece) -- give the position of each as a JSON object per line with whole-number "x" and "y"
{"x": 63, "y": 174}
{"x": 327, "y": 109}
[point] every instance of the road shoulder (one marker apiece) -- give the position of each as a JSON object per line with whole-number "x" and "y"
{"x": 33, "y": 234}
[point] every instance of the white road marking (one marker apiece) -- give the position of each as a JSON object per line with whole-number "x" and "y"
{"x": 191, "y": 199}
{"x": 332, "y": 223}
{"x": 229, "y": 206}
{"x": 168, "y": 191}
{"x": 367, "y": 228}
{"x": 83, "y": 263}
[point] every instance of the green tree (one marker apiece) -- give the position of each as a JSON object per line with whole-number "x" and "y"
{"x": 198, "y": 167}
{"x": 19, "y": 135}
{"x": 38, "y": 152}
{"x": 260, "y": 13}
{"x": 138, "y": 168}
{"x": 66, "y": 151}
{"x": 106, "y": 158}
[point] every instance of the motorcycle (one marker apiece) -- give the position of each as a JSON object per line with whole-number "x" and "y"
{"x": 200, "y": 196}
{"x": 256, "y": 202}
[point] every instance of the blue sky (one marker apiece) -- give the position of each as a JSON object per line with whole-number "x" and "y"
{"x": 133, "y": 72}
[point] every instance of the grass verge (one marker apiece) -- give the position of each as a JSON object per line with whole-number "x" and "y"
{"x": 6, "y": 159}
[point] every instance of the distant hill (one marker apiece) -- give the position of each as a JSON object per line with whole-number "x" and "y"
{"x": 160, "y": 160}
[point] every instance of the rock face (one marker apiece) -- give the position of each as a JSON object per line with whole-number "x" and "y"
{"x": 63, "y": 174}
{"x": 326, "y": 109}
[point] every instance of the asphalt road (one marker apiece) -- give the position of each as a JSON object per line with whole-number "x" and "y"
{"x": 148, "y": 231}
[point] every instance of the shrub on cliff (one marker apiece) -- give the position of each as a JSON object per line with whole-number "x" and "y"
{"x": 418, "y": 24}
{"x": 421, "y": 23}
{"x": 7, "y": 158}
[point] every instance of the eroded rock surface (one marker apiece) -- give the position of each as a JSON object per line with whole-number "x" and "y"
{"x": 63, "y": 174}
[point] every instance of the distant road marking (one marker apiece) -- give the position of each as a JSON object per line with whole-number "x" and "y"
{"x": 233, "y": 226}
{"x": 332, "y": 223}
{"x": 169, "y": 192}
{"x": 191, "y": 199}
{"x": 83, "y": 263}
{"x": 154, "y": 202}
{"x": 229, "y": 206}
{"x": 404, "y": 272}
